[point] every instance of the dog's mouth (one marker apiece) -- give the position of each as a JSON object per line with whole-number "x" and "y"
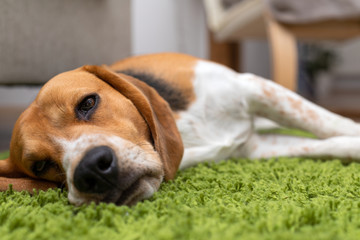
{"x": 128, "y": 194}
{"x": 119, "y": 196}
{"x": 140, "y": 189}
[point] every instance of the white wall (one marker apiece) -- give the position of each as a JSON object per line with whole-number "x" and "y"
{"x": 255, "y": 58}
{"x": 349, "y": 57}
{"x": 169, "y": 26}
{"x": 153, "y": 26}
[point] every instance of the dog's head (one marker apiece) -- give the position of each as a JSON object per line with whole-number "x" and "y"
{"x": 108, "y": 136}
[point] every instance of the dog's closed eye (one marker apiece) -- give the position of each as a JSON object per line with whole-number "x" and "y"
{"x": 86, "y": 107}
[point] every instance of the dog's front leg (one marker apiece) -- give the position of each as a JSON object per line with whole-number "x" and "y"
{"x": 285, "y": 107}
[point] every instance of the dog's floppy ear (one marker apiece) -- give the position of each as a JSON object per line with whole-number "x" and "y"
{"x": 156, "y": 112}
{"x": 10, "y": 174}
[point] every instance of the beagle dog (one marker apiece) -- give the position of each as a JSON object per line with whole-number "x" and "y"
{"x": 114, "y": 133}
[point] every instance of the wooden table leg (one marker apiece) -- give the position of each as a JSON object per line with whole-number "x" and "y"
{"x": 284, "y": 54}
{"x": 227, "y": 53}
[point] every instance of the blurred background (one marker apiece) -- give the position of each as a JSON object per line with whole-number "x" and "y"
{"x": 311, "y": 47}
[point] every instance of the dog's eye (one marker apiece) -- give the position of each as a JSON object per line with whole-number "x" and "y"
{"x": 40, "y": 167}
{"x": 87, "y": 104}
{"x": 86, "y": 107}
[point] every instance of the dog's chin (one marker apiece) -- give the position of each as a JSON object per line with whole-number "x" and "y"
{"x": 141, "y": 189}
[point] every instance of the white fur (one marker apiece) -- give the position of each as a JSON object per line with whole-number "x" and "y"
{"x": 220, "y": 123}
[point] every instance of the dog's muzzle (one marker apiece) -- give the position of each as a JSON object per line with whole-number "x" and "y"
{"x": 110, "y": 169}
{"x": 97, "y": 171}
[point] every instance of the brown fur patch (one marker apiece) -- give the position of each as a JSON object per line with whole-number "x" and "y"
{"x": 176, "y": 69}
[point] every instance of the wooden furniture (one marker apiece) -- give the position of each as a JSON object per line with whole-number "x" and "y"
{"x": 250, "y": 19}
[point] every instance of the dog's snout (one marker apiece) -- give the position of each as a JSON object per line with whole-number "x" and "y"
{"x": 97, "y": 171}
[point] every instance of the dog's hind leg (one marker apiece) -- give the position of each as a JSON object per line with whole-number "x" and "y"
{"x": 269, "y": 145}
{"x": 272, "y": 101}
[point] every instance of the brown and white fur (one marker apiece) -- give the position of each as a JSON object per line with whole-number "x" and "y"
{"x": 137, "y": 135}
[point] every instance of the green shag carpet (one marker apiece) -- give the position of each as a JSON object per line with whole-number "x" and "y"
{"x": 285, "y": 198}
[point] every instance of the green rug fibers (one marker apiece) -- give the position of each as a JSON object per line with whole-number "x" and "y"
{"x": 285, "y": 198}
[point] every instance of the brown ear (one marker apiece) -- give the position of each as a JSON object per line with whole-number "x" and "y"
{"x": 10, "y": 174}
{"x": 156, "y": 112}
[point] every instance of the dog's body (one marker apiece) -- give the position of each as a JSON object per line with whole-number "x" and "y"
{"x": 116, "y": 139}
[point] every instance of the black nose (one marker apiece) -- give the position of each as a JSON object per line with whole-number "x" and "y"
{"x": 97, "y": 172}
